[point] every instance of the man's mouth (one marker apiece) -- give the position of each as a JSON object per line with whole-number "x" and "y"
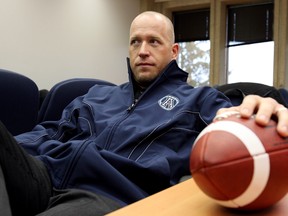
{"x": 144, "y": 64}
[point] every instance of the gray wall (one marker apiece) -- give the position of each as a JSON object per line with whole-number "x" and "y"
{"x": 53, "y": 40}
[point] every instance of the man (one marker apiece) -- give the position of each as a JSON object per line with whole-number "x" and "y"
{"x": 118, "y": 144}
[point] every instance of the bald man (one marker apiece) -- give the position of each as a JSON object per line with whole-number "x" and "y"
{"x": 118, "y": 144}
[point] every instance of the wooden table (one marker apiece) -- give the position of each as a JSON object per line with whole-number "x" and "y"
{"x": 186, "y": 199}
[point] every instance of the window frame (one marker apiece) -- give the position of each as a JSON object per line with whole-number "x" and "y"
{"x": 218, "y": 50}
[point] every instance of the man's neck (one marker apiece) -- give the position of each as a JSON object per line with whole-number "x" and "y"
{"x": 138, "y": 90}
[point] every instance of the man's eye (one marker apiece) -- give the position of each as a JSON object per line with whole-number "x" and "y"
{"x": 134, "y": 42}
{"x": 154, "y": 42}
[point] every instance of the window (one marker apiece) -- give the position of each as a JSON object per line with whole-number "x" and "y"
{"x": 250, "y": 44}
{"x": 220, "y": 49}
{"x": 192, "y": 34}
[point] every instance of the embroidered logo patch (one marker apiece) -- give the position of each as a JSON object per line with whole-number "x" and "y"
{"x": 168, "y": 102}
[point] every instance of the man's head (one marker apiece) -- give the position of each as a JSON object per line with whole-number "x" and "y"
{"x": 151, "y": 46}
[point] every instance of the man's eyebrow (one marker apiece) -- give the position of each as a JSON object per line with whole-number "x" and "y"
{"x": 155, "y": 37}
{"x": 149, "y": 37}
{"x": 134, "y": 38}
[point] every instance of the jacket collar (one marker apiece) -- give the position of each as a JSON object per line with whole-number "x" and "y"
{"x": 171, "y": 71}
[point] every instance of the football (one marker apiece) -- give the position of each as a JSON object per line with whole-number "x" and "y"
{"x": 241, "y": 164}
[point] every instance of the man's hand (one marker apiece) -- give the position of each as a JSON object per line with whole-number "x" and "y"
{"x": 263, "y": 108}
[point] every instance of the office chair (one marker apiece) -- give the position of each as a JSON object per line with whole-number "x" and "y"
{"x": 237, "y": 91}
{"x": 62, "y": 94}
{"x": 19, "y": 98}
{"x": 284, "y": 95}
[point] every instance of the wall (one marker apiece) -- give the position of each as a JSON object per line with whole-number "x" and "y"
{"x": 53, "y": 40}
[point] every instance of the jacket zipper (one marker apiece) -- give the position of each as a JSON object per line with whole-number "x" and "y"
{"x": 129, "y": 110}
{"x": 115, "y": 126}
{"x": 132, "y": 106}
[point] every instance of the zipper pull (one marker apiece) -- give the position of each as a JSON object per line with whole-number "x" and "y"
{"x": 132, "y": 105}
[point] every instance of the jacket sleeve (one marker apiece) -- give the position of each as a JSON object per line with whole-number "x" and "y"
{"x": 211, "y": 103}
{"x": 75, "y": 124}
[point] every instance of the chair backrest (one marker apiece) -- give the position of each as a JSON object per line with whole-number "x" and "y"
{"x": 284, "y": 95}
{"x": 62, "y": 94}
{"x": 237, "y": 91}
{"x": 19, "y": 99}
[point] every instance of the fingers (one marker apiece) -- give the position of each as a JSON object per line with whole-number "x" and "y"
{"x": 225, "y": 112}
{"x": 263, "y": 108}
{"x": 282, "y": 114}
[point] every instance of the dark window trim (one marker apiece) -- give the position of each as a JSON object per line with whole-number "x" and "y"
{"x": 191, "y": 25}
{"x": 248, "y": 24}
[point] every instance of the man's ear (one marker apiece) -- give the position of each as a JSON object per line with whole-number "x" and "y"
{"x": 175, "y": 50}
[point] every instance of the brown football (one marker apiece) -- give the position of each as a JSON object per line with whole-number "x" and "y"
{"x": 241, "y": 164}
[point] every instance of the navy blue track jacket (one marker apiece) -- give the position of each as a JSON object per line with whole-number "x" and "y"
{"x": 105, "y": 143}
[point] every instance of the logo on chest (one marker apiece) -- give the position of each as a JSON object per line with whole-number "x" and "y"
{"x": 168, "y": 102}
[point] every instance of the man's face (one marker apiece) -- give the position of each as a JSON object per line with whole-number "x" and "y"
{"x": 150, "y": 48}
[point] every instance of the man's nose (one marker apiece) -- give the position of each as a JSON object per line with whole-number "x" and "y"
{"x": 144, "y": 50}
